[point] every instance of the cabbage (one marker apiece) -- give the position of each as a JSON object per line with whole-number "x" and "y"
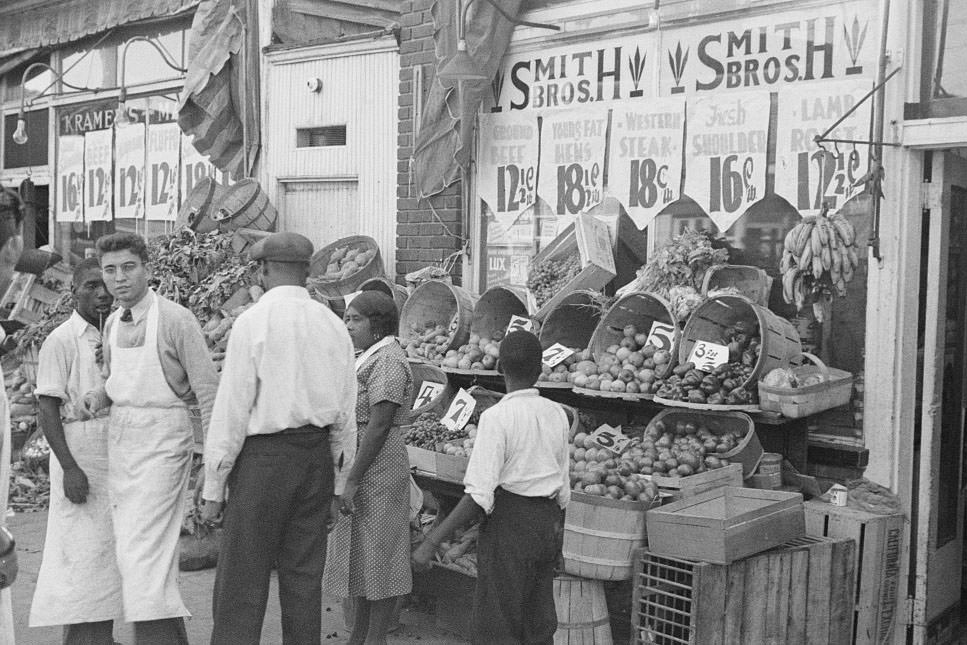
{"x": 781, "y": 378}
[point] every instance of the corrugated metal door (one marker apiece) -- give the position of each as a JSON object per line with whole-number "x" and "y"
{"x": 323, "y": 211}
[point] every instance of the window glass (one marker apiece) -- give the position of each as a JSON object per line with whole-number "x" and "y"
{"x": 40, "y": 78}
{"x": 144, "y": 64}
{"x": 944, "y": 45}
{"x": 94, "y": 69}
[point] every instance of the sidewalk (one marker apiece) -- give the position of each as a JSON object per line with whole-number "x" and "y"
{"x": 196, "y": 589}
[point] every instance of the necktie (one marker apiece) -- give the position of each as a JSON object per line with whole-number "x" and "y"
{"x": 126, "y": 316}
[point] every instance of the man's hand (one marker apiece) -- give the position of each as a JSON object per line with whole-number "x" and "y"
{"x": 211, "y": 512}
{"x": 199, "y": 486}
{"x": 333, "y": 516}
{"x": 75, "y": 485}
{"x": 87, "y": 407}
{"x": 421, "y": 557}
{"x": 347, "y": 507}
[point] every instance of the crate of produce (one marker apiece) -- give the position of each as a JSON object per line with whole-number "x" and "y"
{"x": 492, "y": 314}
{"x": 801, "y": 391}
{"x": 422, "y": 459}
{"x": 339, "y": 269}
{"x": 732, "y": 433}
{"x": 796, "y": 594}
{"x": 677, "y": 488}
{"x": 751, "y": 282}
{"x": 435, "y": 319}
{"x": 580, "y": 258}
{"x": 879, "y": 540}
{"x": 601, "y": 535}
{"x": 725, "y": 524}
{"x": 582, "y": 612}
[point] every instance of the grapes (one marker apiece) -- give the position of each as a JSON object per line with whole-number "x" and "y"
{"x": 549, "y": 277}
{"x": 427, "y": 432}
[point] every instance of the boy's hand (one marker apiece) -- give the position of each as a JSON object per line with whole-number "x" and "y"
{"x": 421, "y": 557}
{"x": 75, "y": 485}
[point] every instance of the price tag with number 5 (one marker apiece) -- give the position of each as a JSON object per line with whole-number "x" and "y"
{"x": 707, "y": 356}
{"x": 661, "y": 336}
{"x": 610, "y": 438}
{"x": 429, "y": 390}
{"x": 460, "y": 410}
{"x": 520, "y": 323}
{"x": 556, "y": 353}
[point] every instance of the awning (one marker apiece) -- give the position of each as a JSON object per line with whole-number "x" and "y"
{"x": 220, "y": 100}
{"x": 446, "y": 125}
{"x": 16, "y": 60}
{"x": 48, "y": 24}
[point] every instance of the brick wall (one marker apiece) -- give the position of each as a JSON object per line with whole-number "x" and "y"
{"x": 421, "y": 238}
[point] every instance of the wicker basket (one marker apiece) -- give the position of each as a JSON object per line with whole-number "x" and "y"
{"x": 638, "y": 308}
{"x": 396, "y": 292}
{"x": 778, "y": 337}
{"x": 835, "y": 390}
{"x": 494, "y": 309}
{"x": 423, "y": 372}
{"x": 443, "y": 304}
{"x": 751, "y": 282}
{"x": 748, "y": 452}
{"x": 572, "y": 321}
{"x": 340, "y": 287}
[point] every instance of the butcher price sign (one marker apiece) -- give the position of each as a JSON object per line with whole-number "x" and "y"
{"x": 809, "y": 176}
{"x": 507, "y": 164}
{"x": 164, "y": 141}
{"x": 70, "y": 178}
{"x": 572, "y": 159}
{"x": 129, "y": 172}
{"x": 194, "y": 167}
{"x": 645, "y": 165}
{"x": 98, "y": 148}
{"x": 726, "y": 153}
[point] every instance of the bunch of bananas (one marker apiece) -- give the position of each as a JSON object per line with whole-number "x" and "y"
{"x": 819, "y": 257}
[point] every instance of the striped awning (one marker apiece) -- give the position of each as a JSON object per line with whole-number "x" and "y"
{"x": 44, "y": 24}
{"x": 220, "y": 101}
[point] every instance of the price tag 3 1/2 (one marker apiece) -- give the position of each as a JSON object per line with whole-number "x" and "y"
{"x": 611, "y": 439}
{"x": 707, "y": 356}
{"x": 556, "y": 353}
{"x": 661, "y": 336}
{"x": 460, "y": 410}
{"x": 520, "y": 323}
{"x": 429, "y": 390}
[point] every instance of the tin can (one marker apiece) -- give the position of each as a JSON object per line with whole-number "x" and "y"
{"x": 770, "y": 464}
{"x": 837, "y": 495}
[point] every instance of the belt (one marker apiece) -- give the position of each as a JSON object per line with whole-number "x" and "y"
{"x": 301, "y": 430}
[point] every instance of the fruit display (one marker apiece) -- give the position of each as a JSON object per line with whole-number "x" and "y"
{"x": 430, "y": 342}
{"x": 23, "y": 402}
{"x": 547, "y": 278}
{"x": 819, "y": 257}
{"x": 480, "y": 353}
{"x": 427, "y": 432}
{"x": 345, "y": 261}
{"x": 787, "y": 378}
{"x": 566, "y": 370}
{"x": 629, "y": 367}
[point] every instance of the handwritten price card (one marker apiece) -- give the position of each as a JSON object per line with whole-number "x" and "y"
{"x": 429, "y": 390}
{"x": 556, "y": 353}
{"x": 707, "y": 356}
{"x": 164, "y": 141}
{"x": 572, "y": 159}
{"x": 129, "y": 171}
{"x": 645, "y": 166}
{"x": 194, "y": 166}
{"x": 459, "y": 411}
{"x": 610, "y": 438}
{"x": 70, "y": 178}
{"x": 98, "y": 152}
{"x": 661, "y": 336}
{"x": 806, "y": 175}
{"x": 726, "y": 153}
{"x": 520, "y": 323}
{"x": 507, "y": 164}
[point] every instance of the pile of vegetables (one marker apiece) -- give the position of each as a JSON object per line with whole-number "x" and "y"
{"x": 29, "y": 489}
{"x": 37, "y": 332}
{"x": 218, "y": 329}
{"x": 429, "y": 342}
{"x": 345, "y": 261}
{"x": 680, "y": 263}
{"x": 547, "y": 278}
{"x": 427, "y": 431}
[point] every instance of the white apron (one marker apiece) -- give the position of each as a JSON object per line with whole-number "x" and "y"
{"x": 149, "y": 456}
{"x": 79, "y": 580}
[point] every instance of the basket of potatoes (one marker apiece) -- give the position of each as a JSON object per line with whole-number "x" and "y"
{"x": 340, "y": 268}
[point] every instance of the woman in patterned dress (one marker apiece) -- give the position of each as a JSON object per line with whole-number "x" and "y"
{"x": 368, "y": 555}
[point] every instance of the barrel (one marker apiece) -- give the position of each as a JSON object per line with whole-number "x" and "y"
{"x": 438, "y": 303}
{"x": 601, "y": 535}
{"x": 494, "y": 310}
{"x": 572, "y": 321}
{"x": 336, "y": 285}
{"x": 751, "y": 282}
{"x": 245, "y": 205}
{"x": 396, "y": 292}
{"x": 637, "y": 308}
{"x": 196, "y": 212}
{"x": 582, "y": 612}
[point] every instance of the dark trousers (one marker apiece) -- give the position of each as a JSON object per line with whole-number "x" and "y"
{"x": 99, "y": 633}
{"x": 280, "y": 491}
{"x": 164, "y": 631}
{"x": 517, "y": 551}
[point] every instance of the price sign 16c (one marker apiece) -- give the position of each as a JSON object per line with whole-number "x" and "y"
{"x": 515, "y": 188}
{"x": 730, "y": 184}
{"x": 577, "y": 187}
{"x": 70, "y": 191}
{"x": 649, "y": 182}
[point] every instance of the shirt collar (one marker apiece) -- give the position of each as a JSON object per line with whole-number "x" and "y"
{"x": 285, "y": 291}
{"x": 531, "y": 391}
{"x": 140, "y": 310}
{"x": 78, "y": 325}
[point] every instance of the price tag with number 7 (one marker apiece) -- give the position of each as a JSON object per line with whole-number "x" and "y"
{"x": 556, "y": 353}
{"x": 460, "y": 410}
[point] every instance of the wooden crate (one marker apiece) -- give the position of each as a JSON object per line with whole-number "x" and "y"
{"x": 422, "y": 459}
{"x": 451, "y": 467}
{"x": 725, "y": 524}
{"x": 686, "y": 487}
{"x": 879, "y": 545}
{"x": 797, "y": 594}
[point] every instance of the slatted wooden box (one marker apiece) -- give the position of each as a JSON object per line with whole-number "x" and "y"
{"x": 679, "y": 488}
{"x": 879, "y": 540}
{"x": 797, "y": 594}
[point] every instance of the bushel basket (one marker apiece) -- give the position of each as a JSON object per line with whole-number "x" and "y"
{"x": 438, "y": 303}
{"x": 572, "y": 321}
{"x": 341, "y": 256}
{"x": 797, "y": 402}
{"x": 638, "y": 308}
{"x": 748, "y": 452}
{"x": 751, "y": 282}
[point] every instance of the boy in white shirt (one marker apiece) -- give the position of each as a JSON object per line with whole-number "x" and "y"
{"x": 517, "y": 484}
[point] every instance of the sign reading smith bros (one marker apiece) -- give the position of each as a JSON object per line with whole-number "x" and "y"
{"x": 790, "y": 47}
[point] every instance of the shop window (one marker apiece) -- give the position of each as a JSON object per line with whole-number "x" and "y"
{"x": 326, "y": 136}
{"x": 95, "y": 69}
{"x": 943, "y": 89}
{"x": 143, "y": 63}
{"x": 39, "y": 80}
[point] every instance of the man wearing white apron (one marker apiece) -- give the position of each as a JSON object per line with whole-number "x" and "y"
{"x": 79, "y": 585}
{"x": 157, "y": 364}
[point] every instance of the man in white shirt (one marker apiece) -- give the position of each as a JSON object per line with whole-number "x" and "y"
{"x": 517, "y": 484}
{"x": 282, "y": 439}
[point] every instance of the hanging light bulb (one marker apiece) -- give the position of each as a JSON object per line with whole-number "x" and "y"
{"x": 20, "y": 134}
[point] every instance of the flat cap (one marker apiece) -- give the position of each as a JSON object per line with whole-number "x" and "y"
{"x": 282, "y": 247}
